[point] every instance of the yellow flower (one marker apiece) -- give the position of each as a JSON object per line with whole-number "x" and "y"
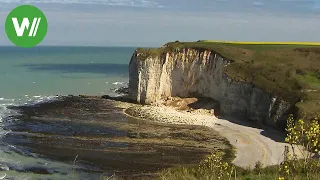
{"x": 281, "y": 178}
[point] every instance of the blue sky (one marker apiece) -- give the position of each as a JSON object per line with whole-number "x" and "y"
{"x": 155, "y": 22}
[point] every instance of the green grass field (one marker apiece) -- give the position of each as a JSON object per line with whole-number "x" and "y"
{"x": 263, "y": 42}
{"x": 288, "y": 69}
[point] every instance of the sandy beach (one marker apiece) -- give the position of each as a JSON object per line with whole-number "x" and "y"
{"x": 252, "y": 144}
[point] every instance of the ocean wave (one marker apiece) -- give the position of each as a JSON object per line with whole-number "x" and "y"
{"x": 118, "y": 83}
{"x": 121, "y": 83}
{"x": 39, "y": 99}
{"x": 5, "y": 100}
{"x": 6, "y": 112}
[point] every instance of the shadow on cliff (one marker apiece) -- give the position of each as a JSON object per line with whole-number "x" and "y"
{"x": 209, "y": 104}
{"x": 96, "y": 68}
{"x": 267, "y": 131}
{"x": 273, "y": 134}
{"x": 205, "y": 103}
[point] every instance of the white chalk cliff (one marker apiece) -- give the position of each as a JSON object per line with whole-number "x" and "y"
{"x": 200, "y": 72}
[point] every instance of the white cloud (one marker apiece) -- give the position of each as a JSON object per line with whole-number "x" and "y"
{"x": 131, "y": 3}
{"x": 117, "y": 28}
{"x": 258, "y": 3}
{"x": 95, "y": 22}
{"x": 265, "y": 6}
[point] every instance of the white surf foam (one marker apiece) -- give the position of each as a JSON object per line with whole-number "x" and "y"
{"x": 6, "y": 100}
{"x": 118, "y": 83}
{"x": 6, "y": 112}
{"x": 39, "y": 99}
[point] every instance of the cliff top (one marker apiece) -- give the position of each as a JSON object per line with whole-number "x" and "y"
{"x": 290, "y": 70}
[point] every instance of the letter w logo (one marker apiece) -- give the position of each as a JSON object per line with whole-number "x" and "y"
{"x": 25, "y": 25}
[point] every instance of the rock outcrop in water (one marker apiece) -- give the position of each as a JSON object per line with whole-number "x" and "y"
{"x": 191, "y": 72}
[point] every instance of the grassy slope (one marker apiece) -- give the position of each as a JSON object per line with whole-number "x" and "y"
{"x": 290, "y": 70}
{"x": 267, "y": 173}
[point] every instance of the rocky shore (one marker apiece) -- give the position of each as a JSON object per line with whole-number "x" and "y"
{"x": 105, "y": 141}
{"x": 168, "y": 115}
{"x": 253, "y": 142}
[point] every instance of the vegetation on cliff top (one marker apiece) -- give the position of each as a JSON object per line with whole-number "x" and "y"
{"x": 290, "y": 70}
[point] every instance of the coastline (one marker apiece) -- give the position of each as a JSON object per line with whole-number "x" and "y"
{"x": 105, "y": 140}
{"x": 161, "y": 135}
{"x": 251, "y": 144}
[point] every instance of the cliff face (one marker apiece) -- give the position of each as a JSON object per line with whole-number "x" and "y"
{"x": 193, "y": 72}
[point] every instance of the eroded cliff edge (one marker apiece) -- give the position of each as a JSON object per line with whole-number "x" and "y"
{"x": 198, "y": 72}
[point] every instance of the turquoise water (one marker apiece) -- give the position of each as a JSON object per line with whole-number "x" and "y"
{"x": 28, "y": 76}
{"x": 44, "y": 71}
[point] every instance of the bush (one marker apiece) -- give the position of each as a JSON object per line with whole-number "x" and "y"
{"x": 258, "y": 167}
{"x": 304, "y": 139}
{"x": 216, "y": 167}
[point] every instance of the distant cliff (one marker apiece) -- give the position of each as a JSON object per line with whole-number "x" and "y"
{"x": 194, "y": 72}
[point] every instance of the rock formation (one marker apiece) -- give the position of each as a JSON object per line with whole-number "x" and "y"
{"x": 200, "y": 73}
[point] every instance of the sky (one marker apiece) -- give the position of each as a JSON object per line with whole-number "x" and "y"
{"x": 155, "y": 22}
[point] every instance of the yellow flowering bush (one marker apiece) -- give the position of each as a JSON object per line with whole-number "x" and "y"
{"x": 304, "y": 137}
{"x": 303, "y": 134}
{"x": 217, "y": 168}
{"x": 287, "y": 168}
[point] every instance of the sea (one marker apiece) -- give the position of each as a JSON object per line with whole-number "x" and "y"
{"x": 31, "y": 76}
